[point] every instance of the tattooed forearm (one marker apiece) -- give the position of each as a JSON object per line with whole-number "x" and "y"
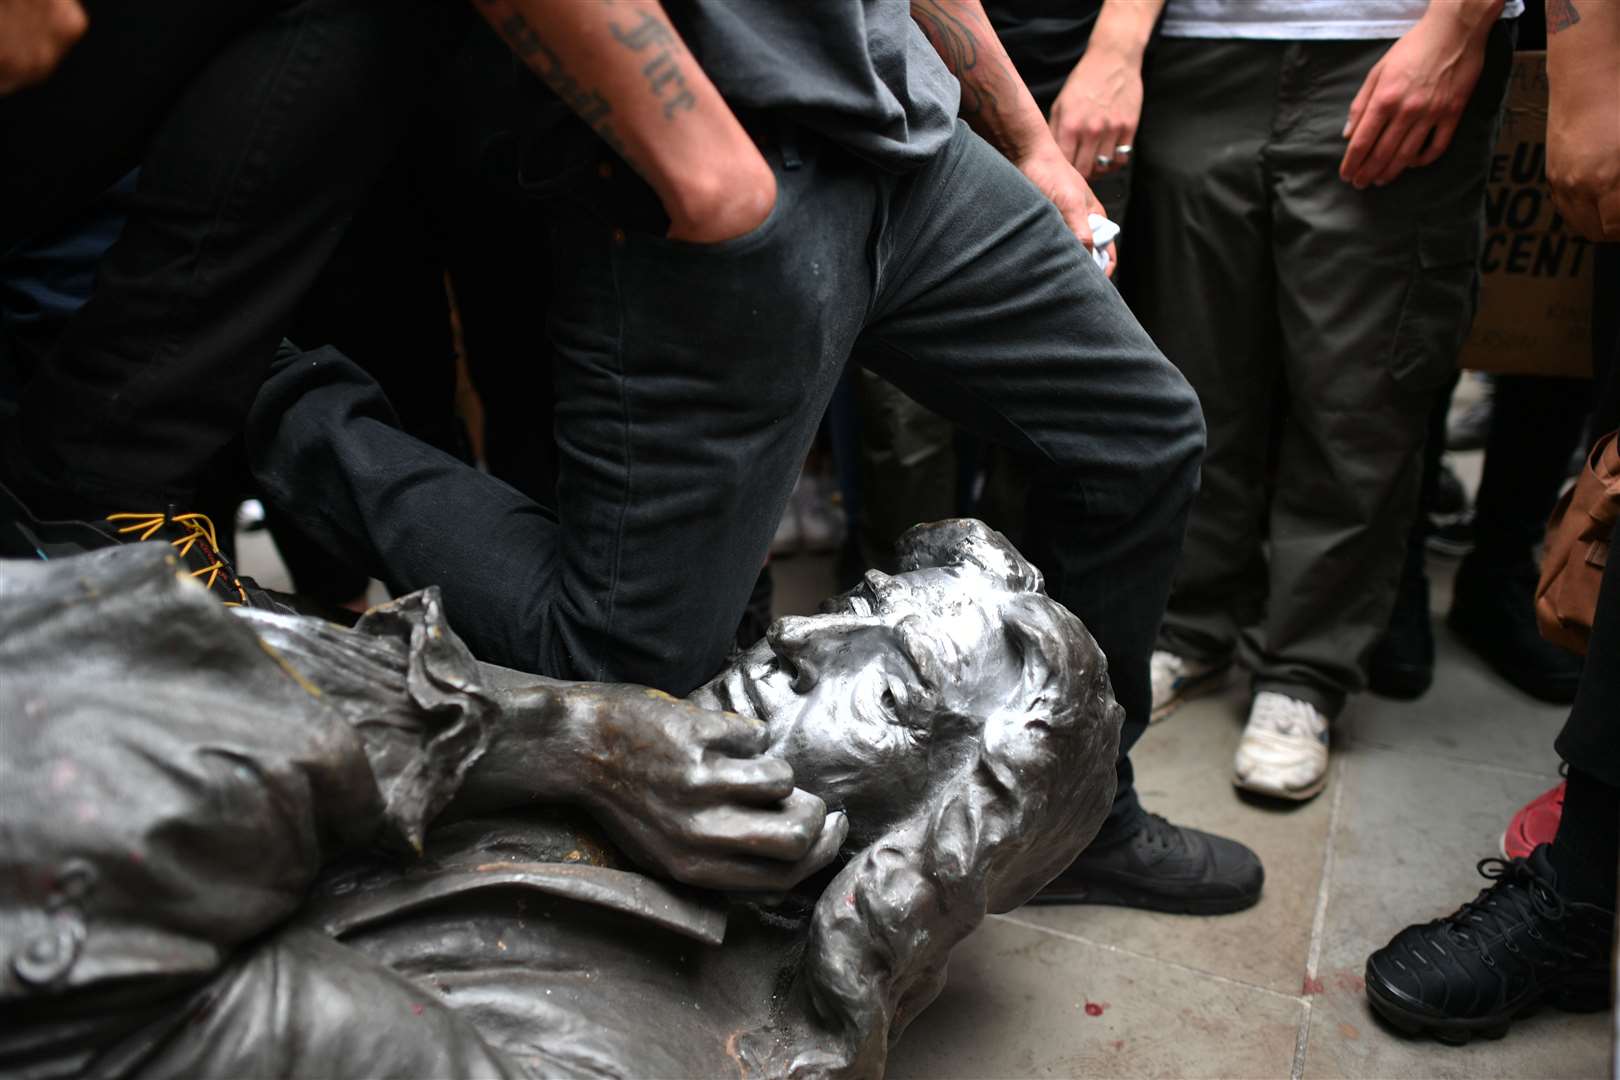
{"x": 588, "y": 104}
{"x": 958, "y": 45}
{"x": 1561, "y": 15}
{"x": 663, "y": 71}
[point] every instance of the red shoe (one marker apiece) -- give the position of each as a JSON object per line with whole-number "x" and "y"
{"x": 1534, "y": 824}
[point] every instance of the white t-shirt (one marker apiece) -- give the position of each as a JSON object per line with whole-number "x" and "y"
{"x": 1300, "y": 20}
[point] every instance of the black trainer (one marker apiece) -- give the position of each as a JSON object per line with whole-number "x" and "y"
{"x": 191, "y": 535}
{"x": 1494, "y": 614}
{"x": 1516, "y": 945}
{"x": 1161, "y": 867}
{"x": 1449, "y": 498}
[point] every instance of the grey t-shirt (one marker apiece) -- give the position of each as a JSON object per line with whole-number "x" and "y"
{"x": 857, "y": 71}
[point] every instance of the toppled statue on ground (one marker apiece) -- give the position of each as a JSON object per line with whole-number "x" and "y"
{"x": 247, "y": 844}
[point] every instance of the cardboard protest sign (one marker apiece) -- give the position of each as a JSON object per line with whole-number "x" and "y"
{"x": 1535, "y": 304}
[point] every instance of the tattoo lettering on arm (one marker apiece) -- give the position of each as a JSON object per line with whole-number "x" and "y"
{"x": 587, "y": 103}
{"x": 1561, "y": 15}
{"x": 663, "y": 71}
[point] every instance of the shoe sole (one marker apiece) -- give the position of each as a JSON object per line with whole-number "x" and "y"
{"x": 1194, "y": 688}
{"x": 1450, "y": 549}
{"x": 1460, "y": 1032}
{"x": 1292, "y": 795}
{"x": 1121, "y": 896}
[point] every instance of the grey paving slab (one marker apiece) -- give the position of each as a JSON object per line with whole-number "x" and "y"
{"x": 256, "y": 556}
{"x": 1469, "y": 715}
{"x": 1410, "y": 829}
{"x": 1183, "y": 768}
{"x": 1022, "y": 1002}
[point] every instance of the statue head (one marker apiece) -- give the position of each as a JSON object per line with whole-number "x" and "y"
{"x": 882, "y": 694}
{"x": 965, "y": 722}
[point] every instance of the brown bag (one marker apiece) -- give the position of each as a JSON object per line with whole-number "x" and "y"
{"x": 1578, "y": 537}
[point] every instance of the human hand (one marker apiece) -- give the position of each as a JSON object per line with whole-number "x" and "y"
{"x": 731, "y": 198}
{"x": 684, "y": 791}
{"x": 1583, "y": 150}
{"x": 1096, "y": 113}
{"x": 1410, "y": 103}
{"x": 34, "y": 36}
{"x": 1060, "y": 182}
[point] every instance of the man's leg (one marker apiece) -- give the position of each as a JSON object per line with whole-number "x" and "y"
{"x": 690, "y": 383}
{"x": 1198, "y": 273}
{"x": 989, "y": 312}
{"x": 1536, "y": 421}
{"x": 1376, "y": 290}
{"x": 250, "y": 166}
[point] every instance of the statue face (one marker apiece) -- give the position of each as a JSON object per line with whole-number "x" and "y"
{"x": 855, "y": 696}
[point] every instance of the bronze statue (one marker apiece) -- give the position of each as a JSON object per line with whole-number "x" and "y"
{"x": 245, "y": 844}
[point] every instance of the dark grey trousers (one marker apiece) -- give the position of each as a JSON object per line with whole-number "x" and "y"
{"x": 1316, "y": 323}
{"x": 690, "y": 381}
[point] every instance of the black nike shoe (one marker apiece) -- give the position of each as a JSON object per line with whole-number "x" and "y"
{"x": 1161, "y": 867}
{"x": 1516, "y": 945}
{"x": 23, "y": 536}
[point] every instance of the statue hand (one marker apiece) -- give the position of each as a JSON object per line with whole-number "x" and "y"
{"x": 684, "y": 791}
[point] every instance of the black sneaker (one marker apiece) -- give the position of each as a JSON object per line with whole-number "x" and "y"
{"x": 1451, "y": 536}
{"x": 191, "y": 535}
{"x": 1516, "y": 945}
{"x": 1449, "y": 498}
{"x": 1402, "y": 663}
{"x": 1494, "y": 614}
{"x": 1161, "y": 867}
{"x": 1470, "y": 429}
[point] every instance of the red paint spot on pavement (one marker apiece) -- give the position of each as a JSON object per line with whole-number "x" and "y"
{"x": 417, "y": 1009}
{"x": 1095, "y": 1008}
{"x": 1118, "y": 1044}
{"x": 1312, "y": 986}
{"x": 1350, "y": 982}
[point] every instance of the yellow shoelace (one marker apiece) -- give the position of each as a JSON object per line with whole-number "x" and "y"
{"x": 198, "y": 527}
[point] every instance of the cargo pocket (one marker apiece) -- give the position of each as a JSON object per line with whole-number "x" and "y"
{"x": 1441, "y": 296}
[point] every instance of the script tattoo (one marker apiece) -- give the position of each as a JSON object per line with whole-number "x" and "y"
{"x": 663, "y": 72}
{"x": 1561, "y": 15}
{"x": 588, "y": 104}
{"x": 958, "y": 46}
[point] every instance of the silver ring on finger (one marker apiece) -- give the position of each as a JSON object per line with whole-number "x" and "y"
{"x": 1104, "y": 160}
{"x": 1123, "y": 151}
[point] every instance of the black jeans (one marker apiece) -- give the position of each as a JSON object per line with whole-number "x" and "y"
{"x": 691, "y": 380}
{"x": 257, "y": 127}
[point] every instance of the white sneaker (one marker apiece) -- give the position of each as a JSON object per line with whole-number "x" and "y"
{"x": 1284, "y": 750}
{"x": 1178, "y": 679}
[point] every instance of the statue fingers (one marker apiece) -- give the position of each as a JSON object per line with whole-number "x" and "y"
{"x": 786, "y": 831}
{"x": 731, "y": 734}
{"x": 757, "y": 781}
{"x": 742, "y": 873}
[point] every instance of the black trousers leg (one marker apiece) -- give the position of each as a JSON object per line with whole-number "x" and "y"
{"x": 257, "y": 129}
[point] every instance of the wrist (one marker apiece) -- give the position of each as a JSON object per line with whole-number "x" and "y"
{"x": 1121, "y": 39}
{"x": 1469, "y": 18}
